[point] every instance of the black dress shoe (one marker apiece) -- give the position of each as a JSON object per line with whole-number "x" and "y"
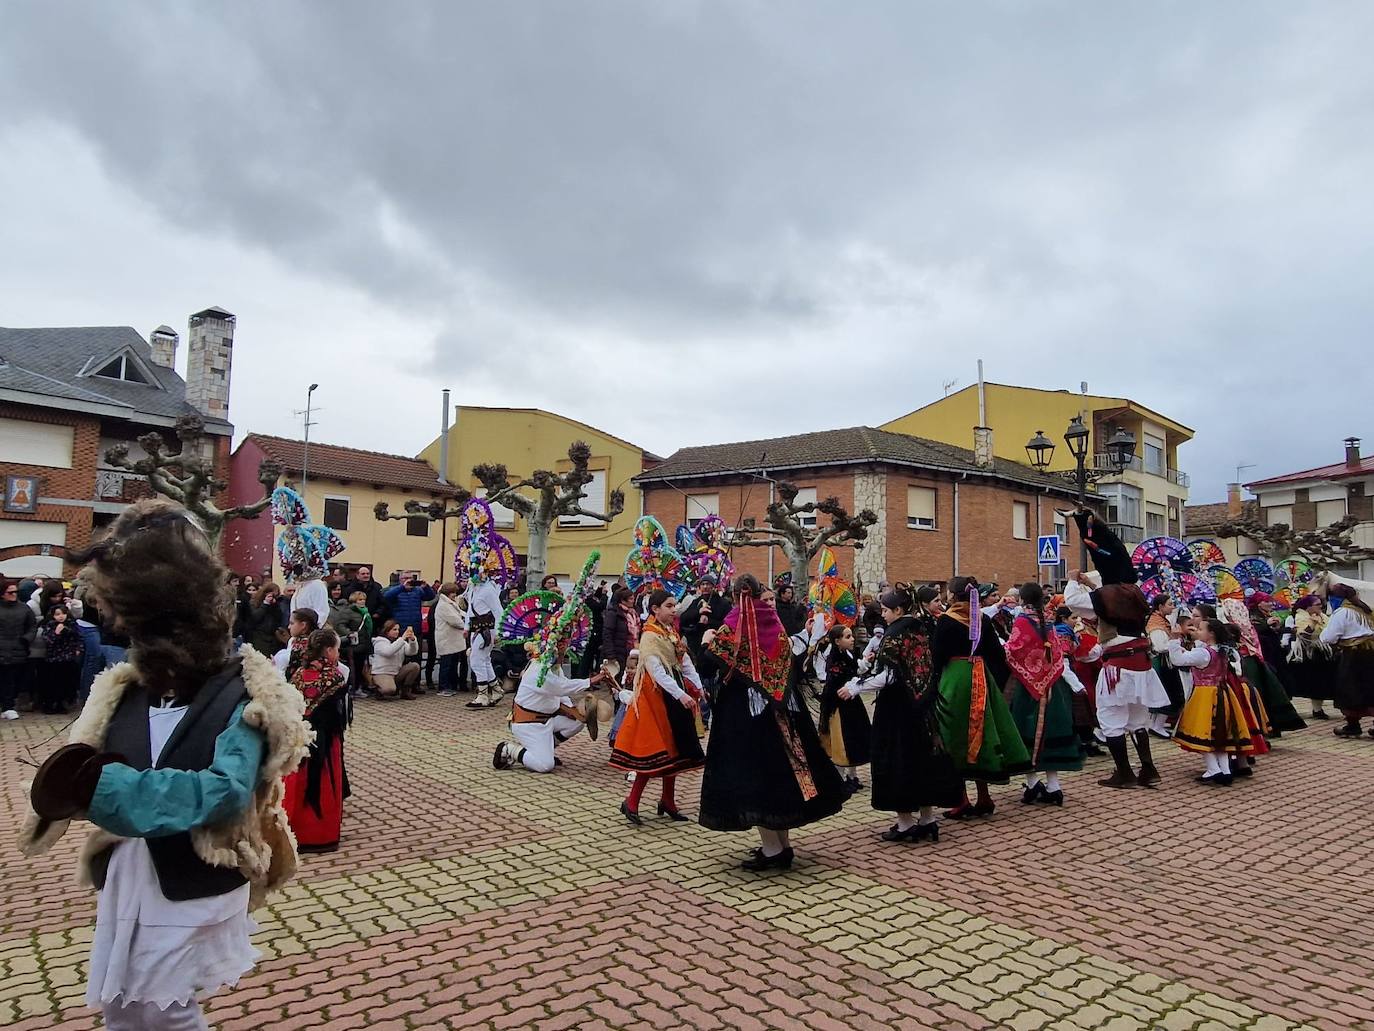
{"x": 1320, "y": 714}
{"x": 630, "y": 814}
{"x": 1033, "y": 793}
{"x": 1055, "y": 797}
{"x": 984, "y": 808}
{"x": 1241, "y": 771}
{"x": 781, "y": 861}
{"x": 672, "y": 814}
{"x": 893, "y": 833}
{"x": 929, "y": 830}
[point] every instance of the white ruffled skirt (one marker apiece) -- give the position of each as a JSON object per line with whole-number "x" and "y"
{"x": 149, "y": 949}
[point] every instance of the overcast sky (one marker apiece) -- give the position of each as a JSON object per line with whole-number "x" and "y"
{"x": 689, "y": 223}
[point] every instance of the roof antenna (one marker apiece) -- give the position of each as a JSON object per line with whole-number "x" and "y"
{"x": 1241, "y": 468}
{"x": 949, "y": 385}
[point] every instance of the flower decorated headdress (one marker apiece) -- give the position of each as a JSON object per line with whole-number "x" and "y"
{"x": 563, "y": 628}
{"x": 653, "y": 563}
{"x": 482, "y": 553}
{"x": 303, "y": 548}
{"x": 702, "y": 548}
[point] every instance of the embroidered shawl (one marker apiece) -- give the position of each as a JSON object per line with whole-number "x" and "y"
{"x": 1037, "y": 661}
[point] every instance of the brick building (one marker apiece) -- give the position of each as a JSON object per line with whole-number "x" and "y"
{"x": 941, "y": 511}
{"x": 68, "y": 394}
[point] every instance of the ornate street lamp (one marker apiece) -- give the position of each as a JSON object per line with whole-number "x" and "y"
{"x": 1121, "y": 449}
{"x": 1040, "y": 450}
{"x": 1076, "y": 436}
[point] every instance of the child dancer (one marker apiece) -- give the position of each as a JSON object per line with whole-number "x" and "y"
{"x": 844, "y": 724}
{"x": 1213, "y": 720}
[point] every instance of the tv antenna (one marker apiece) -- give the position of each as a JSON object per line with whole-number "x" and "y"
{"x": 1241, "y": 468}
{"x": 948, "y": 385}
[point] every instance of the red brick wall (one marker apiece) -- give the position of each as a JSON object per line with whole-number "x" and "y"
{"x": 987, "y": 548}
{"x": 77, "y": 483}
{"x": 247, "y": 543}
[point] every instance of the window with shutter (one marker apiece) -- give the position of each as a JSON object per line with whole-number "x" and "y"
{"x": 595, "y": 501}
{"x": 699, "y": 506}
{"x": 336, "y": 513}
{"x": 920, "y": 508}
{"x": 806, "y": 496}
{"x": 1020, "y": 520}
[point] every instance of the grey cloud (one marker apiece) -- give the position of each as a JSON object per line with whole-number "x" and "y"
{"x": 812, "y": 214}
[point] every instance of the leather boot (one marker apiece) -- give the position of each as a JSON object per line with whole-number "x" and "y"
{"x": 480, "y": 699}
{"x": 1148, "y": 776}
{"x": 1124, "y": 776}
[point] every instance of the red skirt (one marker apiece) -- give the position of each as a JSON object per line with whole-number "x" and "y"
{"x": 1256, "y": 719}
{"x": 317, "y": 830}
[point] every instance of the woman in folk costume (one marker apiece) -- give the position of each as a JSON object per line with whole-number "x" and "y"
{"x": 765, "y": 767}
{"x": 658, "y": 736}
{"x": 1350, "y": 632}
{"x": 1160, "y": 629}
{"x": 969, "y": 666}
{"x": 1214, "y": 720}
{"x": 912, "y": 771}
{"x": 1277, "y": 704}
{"x": 843, "y": 725}
{"x": 1312, "y": 664}
{"x": 1041, "y": 693}
{"x": 315, "y": 793}
{"x": 177, "y": 762}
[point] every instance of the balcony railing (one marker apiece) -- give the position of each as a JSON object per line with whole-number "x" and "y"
{"x": 1129, "y": 534}
{"x": 1103, "y": 464}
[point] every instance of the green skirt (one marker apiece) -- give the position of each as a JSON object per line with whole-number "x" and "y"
{"x": 1002, "y": 752}
{"x": 1060, "y": 748}
{"x": 1282, "y": 715}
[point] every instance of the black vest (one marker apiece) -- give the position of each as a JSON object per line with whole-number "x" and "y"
{"x": 181, "y": 873}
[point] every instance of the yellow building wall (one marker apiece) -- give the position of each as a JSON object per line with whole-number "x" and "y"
{"x": 528, "y": 439}
{"x": 385, "y": 546}
{"x": 1016, "y": 413}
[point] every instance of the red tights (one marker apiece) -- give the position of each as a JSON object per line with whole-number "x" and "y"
{"x": 637, "y": 791}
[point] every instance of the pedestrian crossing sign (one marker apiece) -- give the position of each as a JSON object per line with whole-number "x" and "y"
{"x": 1048, "y": 548}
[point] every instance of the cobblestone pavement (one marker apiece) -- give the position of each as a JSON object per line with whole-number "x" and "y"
{"x": 464, "y": 897}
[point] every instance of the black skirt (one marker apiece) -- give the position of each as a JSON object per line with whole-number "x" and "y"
{"x": 750, "y": 780}
{"x": 910, "y": 767}
{"x": 1173, "y": 687}
{"x": 845, "y": 729}
{"x": 1313, "y": 677}
{"x": 1354, "y": 691}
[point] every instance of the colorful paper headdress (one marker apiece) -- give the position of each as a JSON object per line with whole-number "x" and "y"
{"x": 702, "y": 549}
{"x": 482, "y": 553}
{"x": 571, "y": 621}
{"x": 654, "y": 564}
{"x": 303, "y": 549}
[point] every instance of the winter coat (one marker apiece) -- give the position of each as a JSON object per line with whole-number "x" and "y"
{"x": 617, "y": 637}
{"x": 345, "y": 618}
{"x": 448, "y": 619}
{"x": 18, "y": 627}
{"x": 261, "y": 626}
{"x": 376, "y": 603}
{"x": 407, "y": 606}
{"x": 388, "y": 655}
{"x": 63, "y": 645}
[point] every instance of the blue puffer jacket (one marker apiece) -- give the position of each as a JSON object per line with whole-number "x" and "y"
{"x": 405, "y": 606}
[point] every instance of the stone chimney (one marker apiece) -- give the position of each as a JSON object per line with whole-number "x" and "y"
{"x": 1352, "y": 452}
{"x": 163, "y": 341}
{"x": 982, "y": 447}
{"x": 1235, "y": 504}
{"x": 208, "y": 362}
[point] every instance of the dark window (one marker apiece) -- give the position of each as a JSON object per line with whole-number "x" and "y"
{"x": 417, "y": 526}
{"x": 336, "y": 513}
{"x": 122, "y": 368}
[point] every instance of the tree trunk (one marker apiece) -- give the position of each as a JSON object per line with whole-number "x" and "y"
{"x": 799, "y": 563}
{"x": 537, "y": 561}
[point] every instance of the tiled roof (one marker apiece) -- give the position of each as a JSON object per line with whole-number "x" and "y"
{"x": 856, "y": 445}
{"x": 1338, "y": 471}
{"x": 48, "y": 361}
{"x": 1206, "y": 518}
{"x": 329, "y": 461}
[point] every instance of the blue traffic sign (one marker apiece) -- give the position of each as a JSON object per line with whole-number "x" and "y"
{"x": 1048, "y": 549}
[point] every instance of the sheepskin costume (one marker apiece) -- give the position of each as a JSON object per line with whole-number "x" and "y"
{"x": 259, "y": 842}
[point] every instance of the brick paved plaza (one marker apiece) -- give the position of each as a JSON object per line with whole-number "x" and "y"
{"x": 463, "y": 897}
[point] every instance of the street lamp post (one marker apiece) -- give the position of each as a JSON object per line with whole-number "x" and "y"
{"x": 1120, "y": 450}
{"x": 305, "y": 449}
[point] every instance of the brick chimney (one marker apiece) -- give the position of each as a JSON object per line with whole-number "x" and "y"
{"x": 1352, "y": 452}
{"x": 163, "y": 341}
{"x": 982, "y": 447}
{"x": 209, "y": 359}
{"x": 1235, "y": 504}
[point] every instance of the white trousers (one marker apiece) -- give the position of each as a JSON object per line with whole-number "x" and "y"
{"x": 479, "y": 659}
{"x": 1118, "y": 718}
{"x": 538, "y": 740}
{"x": 145, "y": 1016}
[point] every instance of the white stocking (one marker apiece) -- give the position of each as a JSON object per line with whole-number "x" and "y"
{"x": 771, "y": 842}
{"x": 1032, "y": 779}
{"x": 905, "y": 821}
{"x": 1052, "y": 780}
{"x": 927, "y": 815}
{"x": 1211, "y": 759}
{"x": 1223, "y": 762}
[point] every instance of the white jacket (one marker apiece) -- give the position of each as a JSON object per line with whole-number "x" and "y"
{"x": 388, "y": 655}
{"x": 450, "y": 622}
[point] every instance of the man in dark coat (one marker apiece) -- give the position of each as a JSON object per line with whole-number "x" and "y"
{"x": 362, "y": 581}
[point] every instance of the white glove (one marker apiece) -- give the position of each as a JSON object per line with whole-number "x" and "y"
{"x": 625, "y": 696}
